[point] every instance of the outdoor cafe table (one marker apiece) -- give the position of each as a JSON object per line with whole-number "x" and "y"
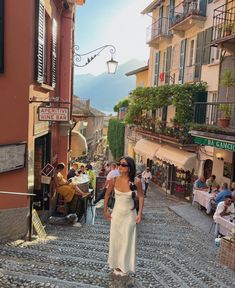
{"x": 203, "y": 198}
{"x": 82, "y": 181}
{"x": 223, "y": 225}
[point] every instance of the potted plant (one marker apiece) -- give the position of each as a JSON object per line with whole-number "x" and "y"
{"x": 227, "y": 81}
{"x": 228, "y": 28}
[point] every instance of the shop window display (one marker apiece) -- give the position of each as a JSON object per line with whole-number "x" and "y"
{"x": 183, "y": 183}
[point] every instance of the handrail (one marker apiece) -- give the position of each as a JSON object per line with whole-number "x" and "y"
{"x": 31, "y": 195}
{"x": 17, "y": 193}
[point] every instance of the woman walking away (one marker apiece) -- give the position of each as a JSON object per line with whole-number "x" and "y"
{"x": 122, "y": 242}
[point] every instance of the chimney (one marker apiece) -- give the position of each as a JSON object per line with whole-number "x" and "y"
{"x": 88, "y": 105}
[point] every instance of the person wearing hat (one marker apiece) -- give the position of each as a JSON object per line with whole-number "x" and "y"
{"x": 147, "y": 176}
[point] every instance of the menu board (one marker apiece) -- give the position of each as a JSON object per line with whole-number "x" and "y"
{"x": 12, "y": 156}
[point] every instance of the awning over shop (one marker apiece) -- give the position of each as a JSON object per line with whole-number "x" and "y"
{"x": 78, "y": 144}
{"x": 180, "y": 158}
{"x": 146, "y": 148}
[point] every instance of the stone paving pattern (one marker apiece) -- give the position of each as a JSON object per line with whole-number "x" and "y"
{"x": 171, "y": 253}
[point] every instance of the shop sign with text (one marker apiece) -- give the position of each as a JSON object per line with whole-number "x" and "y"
{"x": 53, "y": 114}
{"x": 225, "y": 145}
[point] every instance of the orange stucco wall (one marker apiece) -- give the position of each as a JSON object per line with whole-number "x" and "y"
{"x": 17, "y": 86}
{"x": 142, "y": 79}
{"x": 14, "y": 83}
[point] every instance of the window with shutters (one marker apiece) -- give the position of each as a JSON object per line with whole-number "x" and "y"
{"x": 1, "y": 36}
{"x": 168, "y": 65}
{"x": 156, "y": 72}
{"x": 206, "y": 46}
{"x": 45, "y": 46}
{"x": 198, "y": 58}
{"x": 191, "y": 52}
{"x": 182, "y": 60}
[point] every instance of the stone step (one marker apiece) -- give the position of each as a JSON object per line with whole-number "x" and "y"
{"x": 9, "y": 279}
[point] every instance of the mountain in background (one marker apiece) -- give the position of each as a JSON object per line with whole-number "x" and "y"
{"x": 105, "y": 90}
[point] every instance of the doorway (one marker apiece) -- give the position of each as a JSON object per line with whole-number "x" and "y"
{"x": 208, "y": 168}
{"x": 42, "y": 153}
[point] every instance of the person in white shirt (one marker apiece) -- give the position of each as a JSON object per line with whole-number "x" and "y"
{"x": 147, "y": 176}
{"x": 111, "y": 175}
{"x": 224, "y": 208}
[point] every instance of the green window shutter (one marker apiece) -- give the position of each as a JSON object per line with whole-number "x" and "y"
{"x": 1, "y": 36}
{"x": 182, "y": 60}
{"x": 210, "y": 1}
{"x": 157, "y": 64}
{"x": 207, "y": 47}
{"x": 40, "y": 42}
{"x": 172, "y": 7}
{"x": 168, "y": 64}
{"x": 202, "y": 7}
{"x": 53, "y": 51}
{"x": 198, "y": 58}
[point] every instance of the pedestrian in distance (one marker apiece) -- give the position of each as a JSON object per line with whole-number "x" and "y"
{"x": 111, "y": 175}
{"x": 147, "y": 176}
{"x": 122, "y": 242}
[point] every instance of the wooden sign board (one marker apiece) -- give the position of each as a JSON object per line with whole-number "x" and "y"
{"x": 12, "y": 156}
{"x": 53, "y": 114}
{"x": 38, "y": 225}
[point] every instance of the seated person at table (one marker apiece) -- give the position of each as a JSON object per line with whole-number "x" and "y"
{"x": 224, "y": 208}
{"x": 200, "y": 183}
{"x": 82, "y": 170}
{"x": 73, "y": 171}
{"x": 210, "y": 182}
{"x": 64, "y": 188}
{"x": 232, "y": 187}
{"x": 222, "y": 194}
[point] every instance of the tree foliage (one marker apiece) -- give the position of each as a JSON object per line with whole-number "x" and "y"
{"x": 180, "y": 96}
{"x": 116, "y": 132}
{"x": 122, "y": 103}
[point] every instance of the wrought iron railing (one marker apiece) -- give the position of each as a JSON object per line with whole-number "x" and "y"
{"x": 224, "y": 21}
{"x": 158, "y": 28}
{"x": 164, "y": 131}
{"x": 213, "y": 113}
{"x": 186, "y": 9}
{"x": 30, "y": 195}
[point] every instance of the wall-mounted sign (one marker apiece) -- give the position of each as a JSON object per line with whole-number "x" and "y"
{"x": 53, "y": 114}
{"x": 225, "y": 145}
{"x": 12, "y": 156}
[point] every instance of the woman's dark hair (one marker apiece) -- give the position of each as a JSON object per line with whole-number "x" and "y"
{"x": 60, "y": 166}
{"x": 131, "y": 175}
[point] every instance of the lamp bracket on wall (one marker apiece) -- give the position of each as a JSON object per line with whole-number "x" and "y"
{"x": 81, "y": 60}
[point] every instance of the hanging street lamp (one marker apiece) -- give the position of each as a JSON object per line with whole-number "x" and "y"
{"x": 78, "y": 59}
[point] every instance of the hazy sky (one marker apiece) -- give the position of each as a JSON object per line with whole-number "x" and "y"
{"x": 117, "y": 22}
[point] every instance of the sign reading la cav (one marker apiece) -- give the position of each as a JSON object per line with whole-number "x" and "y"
{"x": 221, "y": 145}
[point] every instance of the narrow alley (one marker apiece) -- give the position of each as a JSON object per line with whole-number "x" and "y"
{"x": 171, "y": 253}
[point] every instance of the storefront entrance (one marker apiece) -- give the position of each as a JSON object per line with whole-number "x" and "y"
{"x": 42, "y": 150}
{"x": 208, "y": 168}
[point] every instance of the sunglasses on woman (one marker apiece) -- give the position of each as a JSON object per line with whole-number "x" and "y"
{"x": 122, "y": 164}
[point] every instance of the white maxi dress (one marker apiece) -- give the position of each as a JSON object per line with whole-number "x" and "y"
{"x": 122, "y": 242}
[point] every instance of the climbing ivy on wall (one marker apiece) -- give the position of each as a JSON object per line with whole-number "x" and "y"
{"x": 116, "y": 132}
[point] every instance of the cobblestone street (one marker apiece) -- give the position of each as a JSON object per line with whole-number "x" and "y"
{"x": 171, "y": 253}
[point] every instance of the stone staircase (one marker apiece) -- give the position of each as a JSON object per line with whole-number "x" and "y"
{"x": 171, "y": 253}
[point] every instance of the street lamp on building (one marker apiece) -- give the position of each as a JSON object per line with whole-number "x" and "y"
{"x": 82, "y": 60}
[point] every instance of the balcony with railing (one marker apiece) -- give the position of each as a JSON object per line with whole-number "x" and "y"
{"x": 215, "y": 117}
{"x": 158, "y": 32}
{"x": 224, "y": 26}
{"x": 164, "y": 132}
{"x": 187, "y": 14}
